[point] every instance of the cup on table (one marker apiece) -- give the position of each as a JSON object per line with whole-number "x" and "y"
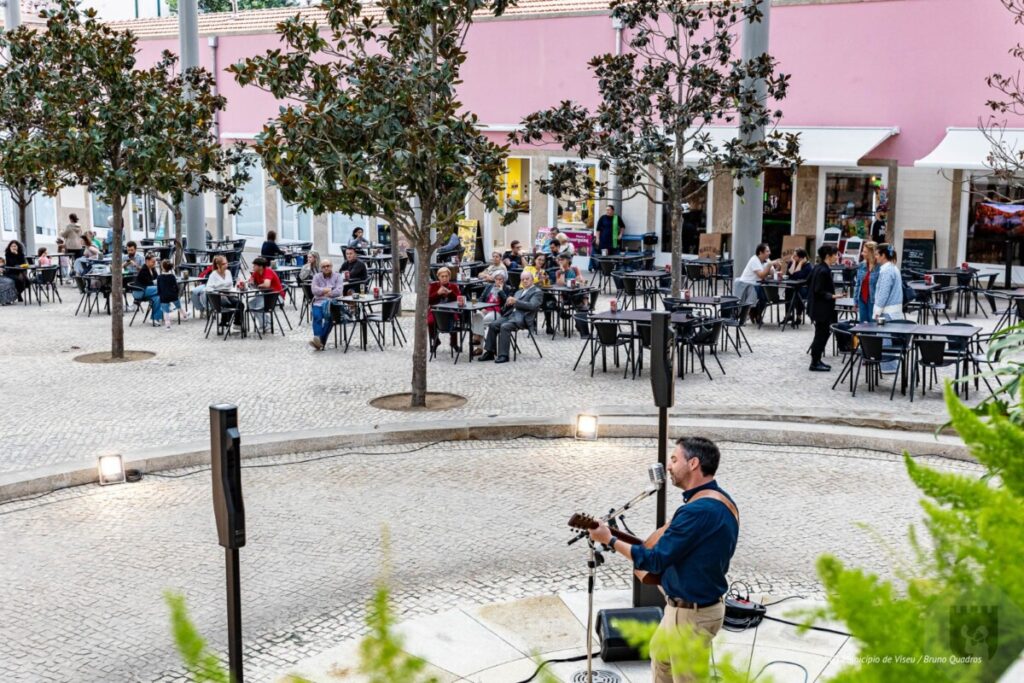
{"x": 686, "y": 295}
{"x": 964, "y": 266}
{"x": 461, "y": 301}
{"x": 376, "y": 292}
{"x": 614, "y": 305}
{"x": 473, "y": 299}
{"x": 362, "y": 289}
{"x": 345, "y": 275}
{"x": 927, "y": 279}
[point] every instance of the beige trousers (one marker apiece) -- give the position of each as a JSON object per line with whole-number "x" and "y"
{"x": 705, "y": 620}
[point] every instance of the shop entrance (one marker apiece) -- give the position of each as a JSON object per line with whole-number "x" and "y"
{"x": 778, "y": 208}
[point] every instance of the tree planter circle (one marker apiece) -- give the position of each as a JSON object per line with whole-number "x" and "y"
{"x": 436, "y": 400}
{"x": 104, "y": 357}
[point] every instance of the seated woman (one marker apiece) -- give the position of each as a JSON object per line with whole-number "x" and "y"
{"x": 798, "y": 269}
{"x": 311, "y": 267}
{"x": 442, "y": 290}
{"x": 14, "y": 257}
{"x": 42, "y": 257}
{"x": 8, "y": 291}
{"x": 270, "y": 248}
{"x": 494, "y": 294}
{"x": 566, "y": 247}
{"x": 358, "y": 241}
{"x": 537, "y": 269}
{"x": 567, "y": 272}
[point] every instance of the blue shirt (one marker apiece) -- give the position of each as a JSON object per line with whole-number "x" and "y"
{"x": 693, "y": 554}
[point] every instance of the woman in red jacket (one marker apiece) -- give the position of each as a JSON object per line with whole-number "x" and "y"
{"x": 441, "y": 291}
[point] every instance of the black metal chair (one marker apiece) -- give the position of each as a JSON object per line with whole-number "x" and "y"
{"x": 627, "y": 295}
{"x": 343, "y": 321}
{"x": 305, "y": 313}
{"x": 870, "y": 356}
{"x": 734, "y": 316}
{"x": 271, "y": 305}
{"x": 530, "y": 332}
{"x": 390, "y": 310}
{"x": 931, "y": 355}
{"x": 607, "y": 335}
{"x": 45, "y": 283}
{"x": 704, "y": 340}
{"x": 224, "y": 310}
{"x": 844, "y": 346}
{"x": 447, "y": 322}
{"x": 140, "y": 300}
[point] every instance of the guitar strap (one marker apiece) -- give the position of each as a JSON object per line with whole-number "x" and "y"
{"x": 715, "y": 495}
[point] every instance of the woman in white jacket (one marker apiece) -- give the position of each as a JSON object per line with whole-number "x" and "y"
{"x": 889, "y": 289}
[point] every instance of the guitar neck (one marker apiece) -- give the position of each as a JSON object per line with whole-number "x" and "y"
{"x": 627, "y": 537}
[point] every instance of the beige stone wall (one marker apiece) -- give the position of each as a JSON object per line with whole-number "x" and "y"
{"x": 807, "y": 181}
{"x": 722, "y": 200}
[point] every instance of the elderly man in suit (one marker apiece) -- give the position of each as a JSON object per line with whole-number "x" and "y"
{"x": 520, "y": 312}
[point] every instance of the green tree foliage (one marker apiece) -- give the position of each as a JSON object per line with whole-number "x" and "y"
{"x": 371, "y": 124}
{"x": 202, "y": 665}
{"x": 1006, "y": 354}
{"x": 206, "y": 6}
{"x": 381, "y": 658}
{"x": 28, "y": 159}
{"x": 960, "y": 617}
{"x": 658, "y": 98}
{"x": 124, "y": 129}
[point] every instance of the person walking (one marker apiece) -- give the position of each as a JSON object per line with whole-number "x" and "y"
{"x": 822, "y": 304}
{"x": 74, "y": 241}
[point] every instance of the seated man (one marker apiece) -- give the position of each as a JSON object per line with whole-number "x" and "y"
{"x": 133, "y": 260}
{"x": 265, "y": 279}
{"x": 519, "y": 313}
{"x": 326, "y": 286}
{"x": 198, "y": 295}
{"x": 353, "y": 271}
{"x": 513, "y": 258}
{"x": 493, "y": 268}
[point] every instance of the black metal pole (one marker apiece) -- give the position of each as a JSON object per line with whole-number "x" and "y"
{"x": 234, "y": 615}
{"x": 663, "y": 459}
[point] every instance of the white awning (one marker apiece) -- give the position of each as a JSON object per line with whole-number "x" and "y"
{"x": 819, "y": 146}
{"x": 968, "y": 149}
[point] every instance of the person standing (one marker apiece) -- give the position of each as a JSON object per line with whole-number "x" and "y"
{"x": 867, "y": 280}
{"x": 270, "y": 248}
{"x": 608, "y": 231}
{"x": 878, "y": 227}
{"x": 693, "y": 553}
{"x": 74, "y": 243}
{"x": 888, "y": 301}
{"x": 822, "y": 302}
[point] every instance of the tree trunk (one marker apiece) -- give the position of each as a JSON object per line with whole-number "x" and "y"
{"x": 396, "y": 264}
{"x": 676, "y": 227}
{"x": 23, "y": 222}
{"x": 178, "y": 250}
{"x": 420, "y": 336}
{"x": 117, "y": 282}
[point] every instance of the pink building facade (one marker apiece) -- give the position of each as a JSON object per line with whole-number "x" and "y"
{"x": 888, "y": 96}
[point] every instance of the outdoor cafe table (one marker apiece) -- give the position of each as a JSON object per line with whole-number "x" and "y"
{"x": 364, "y": 303}
{"x": 634, "y": 317}
{"x": 648, "y": 281}
{"x": 558, "y": 290}
{"x": 965, "y": 332}
{"x": 465, "y": 311}
{"x": 784, "y": 284}
{"x": 378, "y": 266}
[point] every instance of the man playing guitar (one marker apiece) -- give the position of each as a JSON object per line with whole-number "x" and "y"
{"x": 692, "y": 552}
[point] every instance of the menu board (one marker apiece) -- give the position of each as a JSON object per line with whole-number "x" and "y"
{"x": 918, "y": 250}
{"x": 580, "y": 239}
{"x": 710, "y": 245}
{"x": 468, "y": 232}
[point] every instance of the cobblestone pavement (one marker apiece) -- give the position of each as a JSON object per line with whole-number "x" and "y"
{"x": 470, "y": 522}
{"x": 56, "y": 410}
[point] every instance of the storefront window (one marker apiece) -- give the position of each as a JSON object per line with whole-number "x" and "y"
{"x": 695, "y": 222}
{"x": 851, "y": 200}
{"x": 249, "y": 220}
{"x": 102, "y": 215}
{"x": 576, "y": 213}
{"x": 995, "y": 221}
{"x": 777, "y": 221}
{"x": 295, "y": 222}
{"x": 342, "y": 226}
{"x": 516, "y": 187}
{"x": 44, "y": 209}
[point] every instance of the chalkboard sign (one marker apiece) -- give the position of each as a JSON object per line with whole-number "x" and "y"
{"x": 918, "y": 250}
{"x": 710, "y": 245}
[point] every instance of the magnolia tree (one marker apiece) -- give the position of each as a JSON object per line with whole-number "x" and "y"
{"x": 1006, "y": 159}
{"x": 28, "y": 160}
{"x": 227, "y": 5}
{"x": 123, "y": 129}
{"x": 370, "y": 124}
{"x": 658, "y": 100}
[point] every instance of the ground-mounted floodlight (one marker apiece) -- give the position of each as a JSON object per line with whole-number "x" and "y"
{"x": 110, "y": 469}
{"x": 586, "y": 427}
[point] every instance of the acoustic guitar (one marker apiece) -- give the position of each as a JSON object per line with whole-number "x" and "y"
{"x": 586, "y": 523}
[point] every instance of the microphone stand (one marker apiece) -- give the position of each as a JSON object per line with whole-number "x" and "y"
{"x": 594, "y": 559}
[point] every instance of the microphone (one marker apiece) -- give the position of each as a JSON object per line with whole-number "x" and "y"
{"x": 656, "y": 473}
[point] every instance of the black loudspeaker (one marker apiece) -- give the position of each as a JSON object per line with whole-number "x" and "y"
{"x": 662, "y": 375}
{"x": 614, "y": 647}
{"x": 226, "y": 465}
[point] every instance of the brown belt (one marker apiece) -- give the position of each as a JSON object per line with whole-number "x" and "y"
{"x": 686, "y": 604}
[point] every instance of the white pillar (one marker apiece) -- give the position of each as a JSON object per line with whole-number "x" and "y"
{"x": 188, "y": 32}
{"x": 749, "y": 215}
